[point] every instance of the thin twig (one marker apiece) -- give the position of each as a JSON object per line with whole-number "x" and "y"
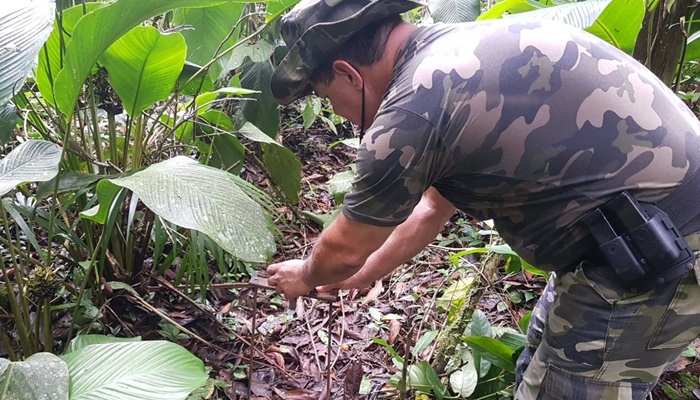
{"x": 253, "y": 332}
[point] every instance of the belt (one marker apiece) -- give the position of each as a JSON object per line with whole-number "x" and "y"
{"x": 681, "y": 205}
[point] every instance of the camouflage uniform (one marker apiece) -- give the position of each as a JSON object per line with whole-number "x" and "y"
{"x": 533, "y": 125}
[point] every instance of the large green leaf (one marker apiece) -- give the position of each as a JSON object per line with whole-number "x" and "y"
{"x": 257, "y": 51}
{"x": 209, "y": 27}
{"x": 81, "y": 341}
{"x": 97, "y": 30}
{"x": 454, "y": 11}
{"x": 32, "y": 161}
{"x": 692, "y": 52}
{"x": 154, "y": 370}
{"x": 143, "y": 66}
{"x": 281, "y": 163}
{"x": 263, "y": 113}
{"x": 620, "y": 23}
{"x": 206, "y": 199}
{"x": 50, "y": 57}
{"x": 41, "y": 376}
{"x": 491, "y": 349}
{"x": 463, "y": 381}
{"x": 285, "y": 169}
{"x": 24, "y": 27}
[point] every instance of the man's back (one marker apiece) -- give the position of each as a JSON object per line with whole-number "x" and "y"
{"x": 531, "y": 125}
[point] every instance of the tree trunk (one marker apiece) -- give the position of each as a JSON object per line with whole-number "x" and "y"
{"x": 662, "y": 38}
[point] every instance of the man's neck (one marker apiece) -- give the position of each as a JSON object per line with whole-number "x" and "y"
{"x": 379, "y": 75}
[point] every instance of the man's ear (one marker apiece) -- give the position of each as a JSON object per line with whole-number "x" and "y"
{"x": 346, "y": 72}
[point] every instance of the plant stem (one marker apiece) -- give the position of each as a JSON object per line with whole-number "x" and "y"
{"x": 48, "y": 339}
{"x": 19, "y": 310}
{"x": 113, "y": 151}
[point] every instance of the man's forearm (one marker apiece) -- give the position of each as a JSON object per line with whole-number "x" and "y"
{"x": 342, "y": 250}
{"x": 407, "y": 240}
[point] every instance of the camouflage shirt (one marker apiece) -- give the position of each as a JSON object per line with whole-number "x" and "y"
{"x": 528, "y": 124}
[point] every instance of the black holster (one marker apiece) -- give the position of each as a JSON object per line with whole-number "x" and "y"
{"x": 639, "y": 241}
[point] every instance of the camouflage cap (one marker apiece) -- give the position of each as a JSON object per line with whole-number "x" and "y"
{"x": 314, "y": 29}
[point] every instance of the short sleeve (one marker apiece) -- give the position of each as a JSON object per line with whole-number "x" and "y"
{"x": 400, "y": 157}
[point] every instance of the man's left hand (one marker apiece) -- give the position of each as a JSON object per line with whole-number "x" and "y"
{"x": 288, "y": 279}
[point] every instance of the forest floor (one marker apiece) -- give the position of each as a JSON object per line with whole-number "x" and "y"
{"x": 328, "y": 350}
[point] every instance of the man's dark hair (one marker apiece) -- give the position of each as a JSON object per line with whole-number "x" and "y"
{"x": 364, "y": 48}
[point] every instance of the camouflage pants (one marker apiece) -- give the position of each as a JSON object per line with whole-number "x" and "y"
{"x": 590, "y": 338}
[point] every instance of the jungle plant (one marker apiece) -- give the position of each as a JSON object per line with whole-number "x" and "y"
{"x": 150, "y": 146}
{"x": 105, "y": 367}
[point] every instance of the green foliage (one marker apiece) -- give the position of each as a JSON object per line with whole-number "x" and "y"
{"x": 143, "y": 66}
{"x": 207, "y": 29}
{"x": 198, "y": 197}
{"x": 26, "y": 25}
{"x": 41, "y": 376}
{"x": 31, "y": 161}
{"x": 95, "y": 33}
{"x": 105, "y": 367}
{"x": 450, "y": 11}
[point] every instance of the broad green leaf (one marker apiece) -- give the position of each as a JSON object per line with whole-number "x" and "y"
{"x": 620, "y": 23}
{"x": 507, "y": 6}
{"x": 50, "y": 58}
{"x": 208, "y": 27}
{"x": 8, "y": 121}
{"x": 418, "y": 379}
{"x": 424, "y": 341}
{"x": 254, "y": 133}
{"x": 492, "y": 350}
{"x": 524, "y": 322}
{"x": 71, "y": 181}
{"x": 515, "y": 341}
{"x": 439, "y": 389}
{"x": 480, "y": 325}
{"x": 24, "y": 27}
{"x": 194, "y": 196}
{"x": 463, "y": 381}
{"x": 258, "y": 51}
{"x": 96, "y": 31}
{"x": 226, "y": 153}
{"x": 264, "y": 112}
{"x": 454, "y": 11}
{"x": 277, "y": 8}
{"x": 202, "y": 83}
{"x": 222, "y": 150}
{"x": 110, "y": 196}
{"x": 692, "y": 52}
{"x": 285, "y": 169}
{"x": 153, "y": 370}
{"x": 32, "y": 161}
{"x": 143, "y": 66}
{"x": 81, "y": 341}
{"x": 41, "y": 376}
{"x": 311, "y": 111}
